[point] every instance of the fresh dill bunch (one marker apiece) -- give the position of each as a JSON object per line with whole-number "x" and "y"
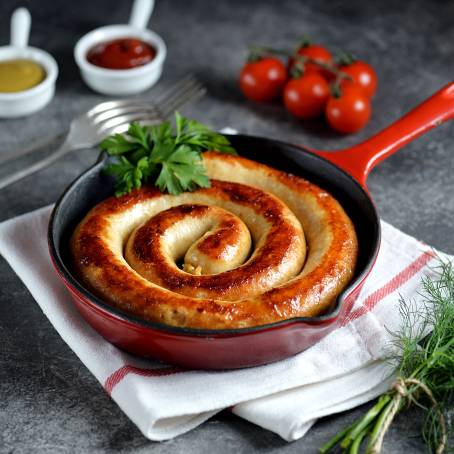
{"x": 424, "y": 357}
{"x": 430, "y": 358}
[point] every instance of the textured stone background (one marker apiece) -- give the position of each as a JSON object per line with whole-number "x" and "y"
{"x": 49, "y": 402}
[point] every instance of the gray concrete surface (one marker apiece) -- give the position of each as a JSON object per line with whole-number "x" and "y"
{"x": 49, "y": 402}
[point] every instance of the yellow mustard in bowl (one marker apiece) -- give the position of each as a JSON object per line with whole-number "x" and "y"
{"x": 19, "y": 75}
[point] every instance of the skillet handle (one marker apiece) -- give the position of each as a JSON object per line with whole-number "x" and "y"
{"x": 360, "y": 159}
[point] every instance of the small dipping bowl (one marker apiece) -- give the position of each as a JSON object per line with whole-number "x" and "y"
{"x": 26, "y": 102}
{"x": 122, "y": 81}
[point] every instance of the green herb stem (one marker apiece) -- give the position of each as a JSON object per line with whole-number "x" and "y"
{"x": 366, "y": 420}
{"x": 354, "y": 447}
{"x": 377, "y": 431}
{"x": 336, "y": 439}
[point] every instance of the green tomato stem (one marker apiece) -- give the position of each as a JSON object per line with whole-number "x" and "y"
{"x": 258, "y": 50}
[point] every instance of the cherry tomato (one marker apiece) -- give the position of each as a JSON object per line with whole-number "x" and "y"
{"x": 316, "y": 52}
{"x": 306, "y": 96}
{"x": 263, "y": 80}
{"x": 362, "y": 75}
{"x": 350, "y": 112}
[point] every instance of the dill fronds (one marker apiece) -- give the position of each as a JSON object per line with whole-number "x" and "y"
{"x": 424, "y": 355}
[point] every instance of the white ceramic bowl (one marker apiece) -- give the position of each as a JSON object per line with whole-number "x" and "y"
{"x": 120, "y": 81}
{"x": 25, "y": 102}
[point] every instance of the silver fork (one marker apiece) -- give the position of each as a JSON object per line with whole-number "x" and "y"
{"x": 87, "y": 130}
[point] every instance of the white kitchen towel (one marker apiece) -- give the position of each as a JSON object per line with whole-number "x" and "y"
{"x": 343, "y": 370}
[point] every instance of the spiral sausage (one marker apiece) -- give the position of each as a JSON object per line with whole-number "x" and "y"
{"x": 258, "y": 246}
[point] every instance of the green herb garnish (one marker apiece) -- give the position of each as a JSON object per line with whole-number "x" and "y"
{"x": 168, "y": 157}
{"x": 425, "y": 372}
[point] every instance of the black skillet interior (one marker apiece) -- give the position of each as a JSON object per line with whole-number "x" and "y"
{"x": 93, "y": 186}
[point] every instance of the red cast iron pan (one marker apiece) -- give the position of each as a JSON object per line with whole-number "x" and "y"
{"x": 342, "y": 173}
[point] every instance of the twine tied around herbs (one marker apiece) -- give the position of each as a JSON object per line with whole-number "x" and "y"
{"x": 402, "y": 394}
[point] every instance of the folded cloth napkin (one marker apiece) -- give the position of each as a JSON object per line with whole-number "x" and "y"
{"x": 343, "y": 370}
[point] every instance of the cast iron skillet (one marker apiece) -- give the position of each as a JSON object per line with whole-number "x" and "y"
{"x": 342, "y": 173}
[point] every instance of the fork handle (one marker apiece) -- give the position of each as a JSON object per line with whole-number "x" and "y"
{"x": 19, "y": 167}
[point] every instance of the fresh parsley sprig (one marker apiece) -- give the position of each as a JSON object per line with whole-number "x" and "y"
{"x": 168, "y": 157}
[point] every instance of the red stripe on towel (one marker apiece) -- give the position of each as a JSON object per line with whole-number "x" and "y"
{"x": 121, "y": 373}
{"x": 391, "y": 286}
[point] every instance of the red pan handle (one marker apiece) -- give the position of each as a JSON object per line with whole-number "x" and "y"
{"x": 360, "y": 159}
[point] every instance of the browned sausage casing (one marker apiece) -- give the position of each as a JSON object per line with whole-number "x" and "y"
{"x": 257, "y": 247}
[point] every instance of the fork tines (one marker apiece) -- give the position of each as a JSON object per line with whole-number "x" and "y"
{"x": 109, "y": 116}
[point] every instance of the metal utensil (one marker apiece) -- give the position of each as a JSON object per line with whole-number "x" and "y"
{"x": 110, "y": 117}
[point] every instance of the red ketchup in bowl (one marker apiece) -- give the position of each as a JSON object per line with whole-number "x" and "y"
{"x": 122, "y": 53}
